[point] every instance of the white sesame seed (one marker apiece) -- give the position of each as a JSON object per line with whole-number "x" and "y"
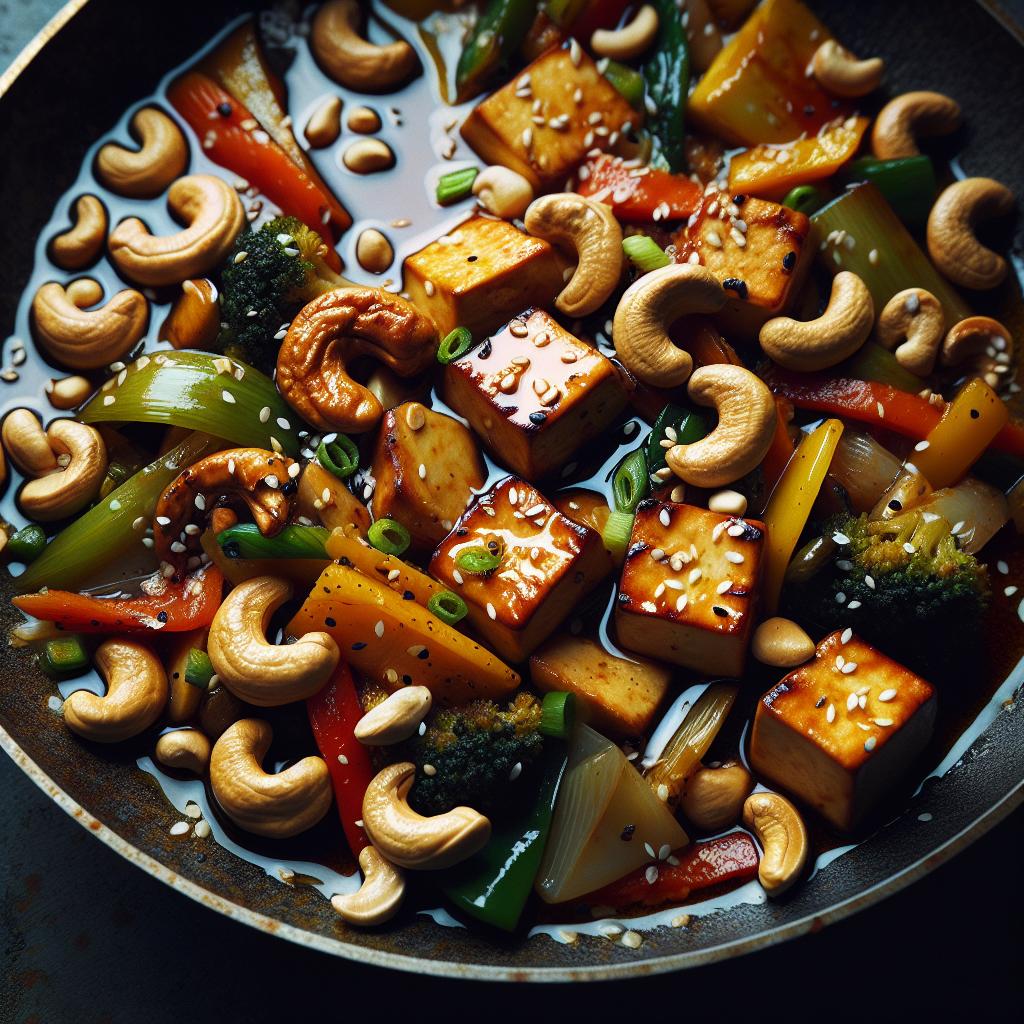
{"x": 517, "y": 770}
{"x": 634, "y": 940}
{"x": 664, "y": 517}
{"x": 850, "y": 666}
{"x": 1002, "y": 567}
{"x": 830, "y": 713}
{"x": 491, "y": 613}
{"x": 163, "y": 521}
{"x": 179, "y": 828}
{"x": 847, "y": 635}
{"x": 851, "y": 702}
{"x": 651, "y": 874}
{"x": 422, "y": 471}
{"x": 379, "y": 628}
{"x": 271, "y": 481}
{"x": 840, "y": 538}
{"x": 695, "y": 574}
{"x": 735, "y": 557}
{"x": 264, "y": 414}
{"x": 869, "y": 744}
{"x": 887, "y": 695}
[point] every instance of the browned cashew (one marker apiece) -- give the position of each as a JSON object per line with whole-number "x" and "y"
{"x": 82, "y": 244}
{"x": 952, "y": 244}
{"x": 648, "y": 308}
{"x": 913, "y": 323}
{"x": 349, "y": 59}
{"x": 254, "y": 476}
{"x": 214, "y": 215}
{"x": 380, "y": 896}
{"x": 746, "y": 424}
{"x": 781, "y": 643}
{"x": 593, "y": 232}
{"x": 194, "y": 319}
{"x": 60, "y": 494}
{"x": 839, "y": 72}
{"x": 86, "y": 339}
{"x": 147, "y": 171}
{"x": 982, "y": 345}
{"x": 333, "y": 329}
{"x": 713, "y": 798}
{"x": 187, "y": 750}
{"x": 905, "y": 119}
{"x": 324, "y": 125}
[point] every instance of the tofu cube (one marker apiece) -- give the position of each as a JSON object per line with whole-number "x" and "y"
{"x": 547, "y": 119}
{"x": 840, "y": 730}
{"x": 426, "y": 466}
{"x": 482, "y": 273}
{"x": 534, "y": 393}
{"x": 547, "y": 564}
{"x": 689, "y": 585}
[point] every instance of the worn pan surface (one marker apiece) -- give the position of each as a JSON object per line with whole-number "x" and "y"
{"x": 67, "y": 89}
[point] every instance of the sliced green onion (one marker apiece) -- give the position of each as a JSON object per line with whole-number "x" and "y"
{"x": 558, "y": 714}
{"x": 448, "y": 607}
{"x": 389, "y": 536}
{"x": 616, "y": 533}
{"x": 805, "y": 198}
{"x": 454, "y": 345}
{"x": 478, "y": 561}
{"x": 198, "y": 669}
{"x": 244, "y": 540}
{"x": 627, "y": 81}
{"x": 64, "y": 656}
{"x": 455, "y": 185}
{"x": 340, "y": 456}
{"x": 685, "y": 427}
{"x": 27, "y": 544}
{"x": 631, "y": 482}
{"x": 645, "y": 252}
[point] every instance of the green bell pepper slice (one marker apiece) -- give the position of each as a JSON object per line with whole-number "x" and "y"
{"x": 667, "y": 74}
{"x": 496, "y": 37}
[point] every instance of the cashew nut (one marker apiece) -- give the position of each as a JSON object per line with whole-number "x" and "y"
{"x": 380, "y": 896}
{"x": 952, "y": 244}
{"x": 194, "y": 319}
{"x": 214, "y": 215}
{"x": 68, "y": 392}
{"x": 188, "y": 750}
{"x": 147, "y": 171}
{"x": 324, "y": 125}
{"x": 82, "y": 244}
{"x": 839, "y": 72}
{"x": 136, "y": 694}
{"x": 63, "y": 493}
{"x": 810, "y": 345}
{"x": 374, "y": 251}
{"x": 783, "y": 837}
{"x": 592, "y": 230}
{"x": 713, "y": 798}
{"x": 86, "y": 339}
{"x": 781, "y": 643}
{"x": 368, "y": 156}
{"x": 333, "y": 329}
{"x": 27, "y": 444}
{"x": 353, "y": 61}
{"x": 503, "y": 192}
{"x": 259, "y": 672}
{"x": 746, "y": 424}
{"x": 395, "y": 719}
{"x": 277, "y": 806}
{"x": 363, "y": 120}
{"x": 648, "y": 308}
{"x": 629, "y": 41}
{"x": 983, "y": 342}
{"x": 905, "y": 119}
{"x": 408, "y": 839}
{"x": 913, "y": 322}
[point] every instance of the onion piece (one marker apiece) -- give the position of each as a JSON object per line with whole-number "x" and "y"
{"x": 976, "y": 510}
{"x": 864, "y": 468}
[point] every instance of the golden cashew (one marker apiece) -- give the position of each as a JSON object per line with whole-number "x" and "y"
{"x": 136, "y": 694}
{"x": 368, "y": 156}
{"x": 188, "y": 750}
{"x": 82, "y": 244}
{"x": 839, "y": 72}
{"x": 373, "y": 251}
{"x": 746, "y": 424}
{"x": 324, "y": 125}
{"x": 781, "y": 643}
{"x": 913, "y": 323}
{"x": 713, "y": 798}
{"x": 649, "y": 307}
{"x": 629, "y": 41}
{"x": 395, "y": 719}
{"x": 702, "y": 35}
{"x": 68, "y": 392}
{"x": 277, "y": 806}
{"x": 363, "y": 120}
{"x": 214, "y": 215}
{"x": 147, "y": 171}
{"x": 952, "y": 244}
{"x": 194, "y": 319}
{"x": 982, "y": 342}
{"x": 332, "y": 330}
{"x": 380, "y": 896}
{"x": 63, "y": 493}
{"x": 27, "y": 444}
{"x": 408, "y": 839}
{"x": 810, "y": 345}
{"x": 905, "y": 119}
{"x": 503, "y": 192}
{"x": 783, "y": 837}
{"x": 84, "y": 291}
{"x": 87, "y": 339}
{"x": 353, "y": 61}
{"x": 259, "y": 672}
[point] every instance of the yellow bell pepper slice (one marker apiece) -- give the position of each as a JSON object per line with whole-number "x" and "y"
{"x": 323, "y": 498}
{"x": 303, "y": 571}
{"x": 387, "y": 569}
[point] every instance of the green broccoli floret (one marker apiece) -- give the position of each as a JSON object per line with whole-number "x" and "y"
{"x": 283, "y": 268}
{"x": 468, "y": 755}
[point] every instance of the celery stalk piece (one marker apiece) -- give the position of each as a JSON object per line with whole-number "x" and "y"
{"x": 872, "y": 362}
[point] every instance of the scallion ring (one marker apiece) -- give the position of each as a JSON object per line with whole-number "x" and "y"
{"x": 645, "y": 252}
{"x": 557, "y": 714}
{"x": 448, "y": 607}
{"x": 340, "y": 456}
{"x": 454, "y": 345}
{"x": 631, "y": 482}
{"x": 478, "y": 561}
{"x": 616, "y": 533}
{"x": 389, "y": 536}
{"x": 455, "y": 185}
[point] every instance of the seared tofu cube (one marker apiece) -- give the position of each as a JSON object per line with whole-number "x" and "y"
{"x": 689, "y": 587}
{"x": 482, "y": 273}
{"x": 426, "y": 466}
{"x": 546, "y": 564}
{"x": 534, "y": 393}
{"x": 839, "y": 731}
{"x": 547, "y": 119}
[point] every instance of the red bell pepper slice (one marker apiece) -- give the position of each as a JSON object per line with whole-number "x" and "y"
{"x": 635, "y": 196}
{"x": 597, "y": 14}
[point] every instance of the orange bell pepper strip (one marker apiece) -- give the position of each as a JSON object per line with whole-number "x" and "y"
{"x": 637, "y": 196}
{"x": 781, "y": 451}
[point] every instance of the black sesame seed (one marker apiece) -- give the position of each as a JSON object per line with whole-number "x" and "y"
{"x": 740, "y": 199}
{"x": 789, "y": 261}
{"x": 472, "y": 259}
{"x": 224, "y": 109}
{"x": 424, "y": 654}
{"x": 896, "y": 505}
{"x": 461, "y": 531}
{"x": 329, "y": 622}
{"x": 408, "y": 596}
{"x": 289, "y": 488}
{"x": 344, "y": 560}
{"x": 627, "y": 833}
{"x": 819, "y": 702}
{"x": 161, "y": 616}
{"x": 734, "y": 284}
{"x": 538, "y": 417}
{"x": 407, "y": 679}
{"x": 358, "y": 646}
{"x": 975, "y": 414}
{"x": 718, "y": 610}
{"x": 485, "y": 350}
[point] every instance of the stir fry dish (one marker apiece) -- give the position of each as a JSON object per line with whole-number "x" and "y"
{"x": 606, "y": 516}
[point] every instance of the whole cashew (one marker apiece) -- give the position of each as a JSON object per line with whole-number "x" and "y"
{"x": 713, "y": 798}
{"x": 136, "y": 694}
{"x": 259, "y": 672}
{"x": 839, "y": 72}
{"x": 68, "y": 392}
{"x": 277, "y": 806}
{"x": 629, "y": 41}
{"x": 187, "y": 750}
{"x": 86, "y": 339}
{"x": 82, "y": 244}
{"x": 324, "y": 124}
{"x": 408, "y": 839}
{"x": 335, "y": 328}
{"x": 905, "y": 119}
{"x": 395, "y": 719}
{"x": 146, "y": 172}
{"x": 781, "y": 643}
{"x": 810, "y": 345}
{"x": 63, "y": 493}
{"x": 503, "y": 192}
{"x": 380, "y": 896}
{"x": 983, "y": 342}
{"x": 746, "y": 424}
{"x": 27, "y": 444}
{"x": 952, "y": 244}
{"x": 353, "y": 61}
{"x": 783, "y": 836}
{"x": 648, "y": 308}
{"x": 913, "y": 323}
{"x": 214, "y": 215}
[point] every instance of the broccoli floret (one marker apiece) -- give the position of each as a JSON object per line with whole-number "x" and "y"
{"x": 283, "y": 268}
{"x": 468, "y": 755}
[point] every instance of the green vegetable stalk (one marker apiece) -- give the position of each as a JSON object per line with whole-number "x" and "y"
{"x": 244, "y": 540}
{"x": 667, "y": 74}
{"x": 908, "y": 183}
{"x": 627, "y": 81}
{"x": 496, "y": 37}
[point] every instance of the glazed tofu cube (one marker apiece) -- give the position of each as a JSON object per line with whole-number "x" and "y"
{"x": 759, "y": 250}
{"x": 485, "y": 271}
{"x": 547, "y": 563}
{"x": 689, "y": 587}
{"x": 546, "y": 120}
{"x": 426, "y": 466}
{"x": 534, "y": 393}
{"x": 620, "y": 697}
{"x": 839, "y": 731}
